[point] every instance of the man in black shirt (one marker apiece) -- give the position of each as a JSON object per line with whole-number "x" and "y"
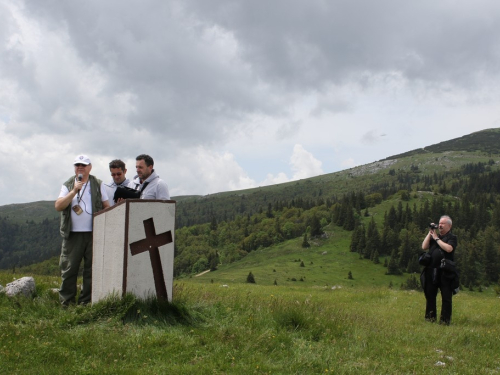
{"x": 440, "y": 246}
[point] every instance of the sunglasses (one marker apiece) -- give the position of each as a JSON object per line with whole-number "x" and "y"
{"x": 80, "y": 165}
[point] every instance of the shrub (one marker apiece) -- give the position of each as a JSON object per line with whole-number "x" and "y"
{"x": 250, "y": 278}
{"x": 411, "y": 284}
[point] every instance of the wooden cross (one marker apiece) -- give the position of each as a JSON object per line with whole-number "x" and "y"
{"x": 151, "y": 243}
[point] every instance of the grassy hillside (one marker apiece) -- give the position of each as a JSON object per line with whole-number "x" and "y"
{"x": 34, "y": 211}
{"x": 485, "y": 141}
{"x": 324, "y": 265}
{"x": 248, "y": 329}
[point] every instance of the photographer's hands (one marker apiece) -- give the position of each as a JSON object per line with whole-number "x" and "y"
{"x": 433, "y": 233}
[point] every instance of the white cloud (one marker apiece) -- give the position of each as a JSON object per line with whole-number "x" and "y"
{"x": 348, "y": 163}
{"x": 217, "y": 172}
{"x": 273, "y": 180}
{"x": 206, "y": 172}
{"x": 304, "y": 164}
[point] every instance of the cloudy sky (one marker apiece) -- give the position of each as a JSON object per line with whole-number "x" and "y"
{"x": 232, "y": 94}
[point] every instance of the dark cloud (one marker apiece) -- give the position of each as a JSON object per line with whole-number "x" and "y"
{"x": 196, "y": 69}
{"x": 308, "y": 44}
{"x": 116, "y": 79}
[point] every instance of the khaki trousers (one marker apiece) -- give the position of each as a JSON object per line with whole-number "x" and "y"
{"x": 78, "y": 246}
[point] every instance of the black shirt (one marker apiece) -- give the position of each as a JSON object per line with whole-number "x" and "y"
{"x": 437, "y": 253}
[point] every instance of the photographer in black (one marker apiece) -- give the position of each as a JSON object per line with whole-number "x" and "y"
{"x": 441, "y": 246}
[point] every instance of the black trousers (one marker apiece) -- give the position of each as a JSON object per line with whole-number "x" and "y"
{"x": 433, "y": 282}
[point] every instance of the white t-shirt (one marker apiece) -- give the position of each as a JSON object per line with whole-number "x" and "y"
{"x": 82, "y": 222}
{"x": 111, "y": 188}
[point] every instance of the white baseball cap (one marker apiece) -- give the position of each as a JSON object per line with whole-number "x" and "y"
{"x": 82, "y": 159}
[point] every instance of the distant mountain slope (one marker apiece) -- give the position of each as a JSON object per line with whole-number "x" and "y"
{"x": 23, "y": 212}
{"x": 487, "y": 141}
{"x": 195, "y": 209}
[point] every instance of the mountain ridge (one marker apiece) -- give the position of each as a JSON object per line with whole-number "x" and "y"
{"x": 483, "y": 144}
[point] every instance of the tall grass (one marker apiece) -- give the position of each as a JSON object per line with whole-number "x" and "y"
{"x": 247, "y": 329}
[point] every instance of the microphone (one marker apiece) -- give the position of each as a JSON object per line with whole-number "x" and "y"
{"x": 80, "y": 177}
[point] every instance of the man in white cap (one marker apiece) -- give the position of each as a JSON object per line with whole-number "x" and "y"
{"x": 81, "y": 196}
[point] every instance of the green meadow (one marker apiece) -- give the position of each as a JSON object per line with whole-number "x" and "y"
{"x": 249, "y": 329}
{"x": 321, "y": 323}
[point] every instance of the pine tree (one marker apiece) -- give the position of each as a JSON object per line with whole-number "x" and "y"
{"x": 372, "y": 240}
{"x": 490, "y": 255}
{"x": 392, "y": 267}
{"x": 305, "y": 243}
{"x": 350, "y": 221}
{"x": 316, "y": 226}
{"x": 468, "y": 269}
{"x": 250, "y": 278}
{"x": 405, "y": 249}
{"x": 362, "y": 240}
{"x": 354, "y": 240}
{"x": 213, "y": 224}
{"x": 391, "y": 218}
{"x": 413, "y": 266}
{"x": 269, "y": 212}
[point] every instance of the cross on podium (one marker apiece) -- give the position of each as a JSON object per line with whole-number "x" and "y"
{"x": 151, "y": 243}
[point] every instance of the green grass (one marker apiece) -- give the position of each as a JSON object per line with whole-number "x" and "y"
{"x": 248, "y": 329}
{"x": 326, "y": 264}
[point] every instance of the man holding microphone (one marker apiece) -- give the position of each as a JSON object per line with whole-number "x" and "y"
{"x": 81, "y": 196}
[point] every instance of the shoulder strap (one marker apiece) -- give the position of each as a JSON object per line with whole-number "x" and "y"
{"x": 144, "y": 185}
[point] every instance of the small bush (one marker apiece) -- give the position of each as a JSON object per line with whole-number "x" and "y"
{"x": 250, "y": 278}
{"x": 411, "y": 284}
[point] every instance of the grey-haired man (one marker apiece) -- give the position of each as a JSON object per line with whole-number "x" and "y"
{"x": 81, "y": 196}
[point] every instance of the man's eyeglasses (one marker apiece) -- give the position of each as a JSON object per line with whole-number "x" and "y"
{"x": 80, "y": 165}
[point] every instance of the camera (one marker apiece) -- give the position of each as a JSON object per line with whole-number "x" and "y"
{"x": 433, "y": 226}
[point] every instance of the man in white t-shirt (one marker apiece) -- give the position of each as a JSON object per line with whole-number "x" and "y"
{"x": 81, "y": 196}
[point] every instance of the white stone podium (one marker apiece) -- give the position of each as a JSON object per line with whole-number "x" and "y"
{"x": 133, "y": 249}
